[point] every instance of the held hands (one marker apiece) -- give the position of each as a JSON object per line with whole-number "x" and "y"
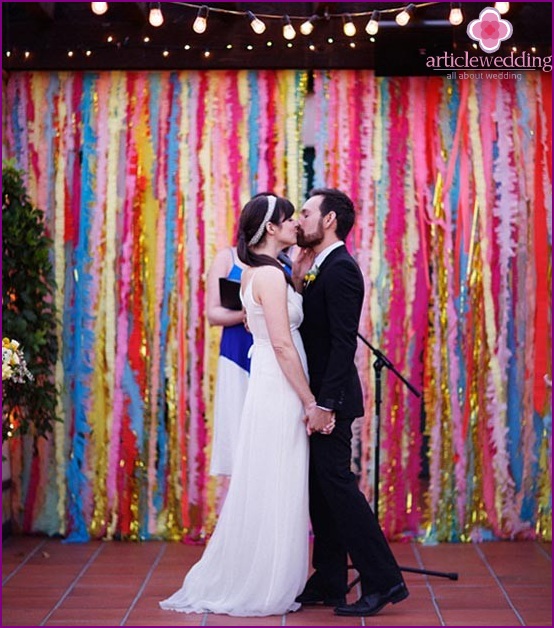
{"x": 319, "y": 420}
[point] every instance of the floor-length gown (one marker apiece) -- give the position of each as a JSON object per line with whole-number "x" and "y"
{"x": 231, "y": 384}
{"x": 256, "y": 562}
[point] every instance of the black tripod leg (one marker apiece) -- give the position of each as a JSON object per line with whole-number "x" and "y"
{"x": 451, "y": 575}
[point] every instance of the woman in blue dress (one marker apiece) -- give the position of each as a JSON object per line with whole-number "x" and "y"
{"x": 233, "y": 366}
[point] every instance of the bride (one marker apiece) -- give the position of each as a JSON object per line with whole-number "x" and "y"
{"x": 256, "y": 561}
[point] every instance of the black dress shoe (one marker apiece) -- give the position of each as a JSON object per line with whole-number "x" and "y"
{"x": 311, "y": 597}
{"x": 371, "y": 604}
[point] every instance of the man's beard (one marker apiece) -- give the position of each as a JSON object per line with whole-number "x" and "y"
{"x": 308, "y": 241}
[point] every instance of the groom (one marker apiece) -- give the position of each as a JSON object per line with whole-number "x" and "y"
{"x": 342, "y": 521}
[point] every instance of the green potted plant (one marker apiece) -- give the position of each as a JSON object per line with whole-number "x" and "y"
{"x": 28, "y": 314}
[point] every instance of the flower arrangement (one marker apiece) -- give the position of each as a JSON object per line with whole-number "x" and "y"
{"x": 14, "y": 367}
{"x": 310, "y": 276}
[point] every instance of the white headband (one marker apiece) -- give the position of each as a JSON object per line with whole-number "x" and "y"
{"x": 271, "y": 200}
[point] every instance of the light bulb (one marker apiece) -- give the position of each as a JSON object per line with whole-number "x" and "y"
{"x": 99, "y": 8}
{"x": 307, "y": 27}
{"x": 456, "y": 17}
{"x": 256, "y": 24}
{"x": 502, "y": 7}
{"x": 201, "y": 21}
{"x": 155, "y": 17}
{"x": 372, "y": 27}
{"x": 288, "y": 29}
{"x": 349, "y": 28}
{"x": 405, "y": 15}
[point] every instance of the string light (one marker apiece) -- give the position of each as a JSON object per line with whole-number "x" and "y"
{"x": 257, "y": 25}
{"x": 99, "y": 8}
{"x": 288, "y": 29}
{"x": 349, "y": 27}
{"x": 307, "y": 27}
{"x": 155, "y": 16}
{"x": 372, "y": 27}
{"x": 402, "y": 15}
{"x": 201, "y": 21}
{"x": 405, "y": 15}
{"x": 456, "y": 17}
{"x": 502, "y": 7}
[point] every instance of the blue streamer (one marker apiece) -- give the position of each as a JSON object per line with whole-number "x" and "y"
{"x": 169, "y": 282}
{"x": 253, "y": 130}
{"x": 82, "y": 339}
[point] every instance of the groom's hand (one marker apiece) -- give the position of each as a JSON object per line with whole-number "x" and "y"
{"x": 302, "y": 262}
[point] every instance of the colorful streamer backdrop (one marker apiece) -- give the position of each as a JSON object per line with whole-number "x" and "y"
{"x": 142, "y": 176}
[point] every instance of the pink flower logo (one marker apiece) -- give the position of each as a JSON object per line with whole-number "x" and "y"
{"x": 489, "y": 30}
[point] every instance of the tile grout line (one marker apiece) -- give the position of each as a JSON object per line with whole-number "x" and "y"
{"x": 428, "y": 584}
{"x": 27, "y": 559}
{"x": 543, "y": 551}
{"x": 500, "y": 585}
{"x": 72, "y": 585}
{"x": 144, "y": 583}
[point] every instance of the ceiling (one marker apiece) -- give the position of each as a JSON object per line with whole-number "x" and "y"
{"x": 68, "y": 36}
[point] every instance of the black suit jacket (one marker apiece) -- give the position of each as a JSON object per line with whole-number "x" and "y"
{"x": 332, "y": 309}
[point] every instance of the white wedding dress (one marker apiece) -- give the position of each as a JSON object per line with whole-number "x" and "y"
{"x": 256, "y": 561}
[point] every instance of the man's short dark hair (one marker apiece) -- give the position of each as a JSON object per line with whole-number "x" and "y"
{"x": 336, "y": 201}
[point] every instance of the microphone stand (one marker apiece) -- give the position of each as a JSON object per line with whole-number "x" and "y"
{"x": 380, "y": 362}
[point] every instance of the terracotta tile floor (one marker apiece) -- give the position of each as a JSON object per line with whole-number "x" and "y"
{"x": 48, "y": 583}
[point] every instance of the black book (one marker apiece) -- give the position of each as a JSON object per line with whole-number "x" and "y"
{"x": 229, "y": 293}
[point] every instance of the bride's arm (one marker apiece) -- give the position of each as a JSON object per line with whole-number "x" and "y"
{"x": 269, "y": 288}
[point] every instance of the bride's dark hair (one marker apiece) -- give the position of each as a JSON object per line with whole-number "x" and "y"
{"x": 251, "y": 218}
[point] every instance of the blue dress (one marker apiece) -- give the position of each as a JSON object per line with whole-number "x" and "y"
{"x": 230, "y": 390}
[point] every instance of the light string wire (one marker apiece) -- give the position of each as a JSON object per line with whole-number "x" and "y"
{"x": 271, "y": 16}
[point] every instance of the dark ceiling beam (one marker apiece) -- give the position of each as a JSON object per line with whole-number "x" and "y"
{"x": 43, "y": 11}
{"x": 136, "y": 11}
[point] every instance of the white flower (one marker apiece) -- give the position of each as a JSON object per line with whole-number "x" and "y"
{"x": 14, "y": 367}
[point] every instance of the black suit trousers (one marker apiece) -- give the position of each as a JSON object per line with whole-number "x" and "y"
{"x": 342, "y": 521}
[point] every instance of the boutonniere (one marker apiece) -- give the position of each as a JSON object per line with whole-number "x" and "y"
{"x": 310, "y": 276}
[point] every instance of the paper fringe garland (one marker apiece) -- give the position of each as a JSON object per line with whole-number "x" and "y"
{"x": 142, "y": 177}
